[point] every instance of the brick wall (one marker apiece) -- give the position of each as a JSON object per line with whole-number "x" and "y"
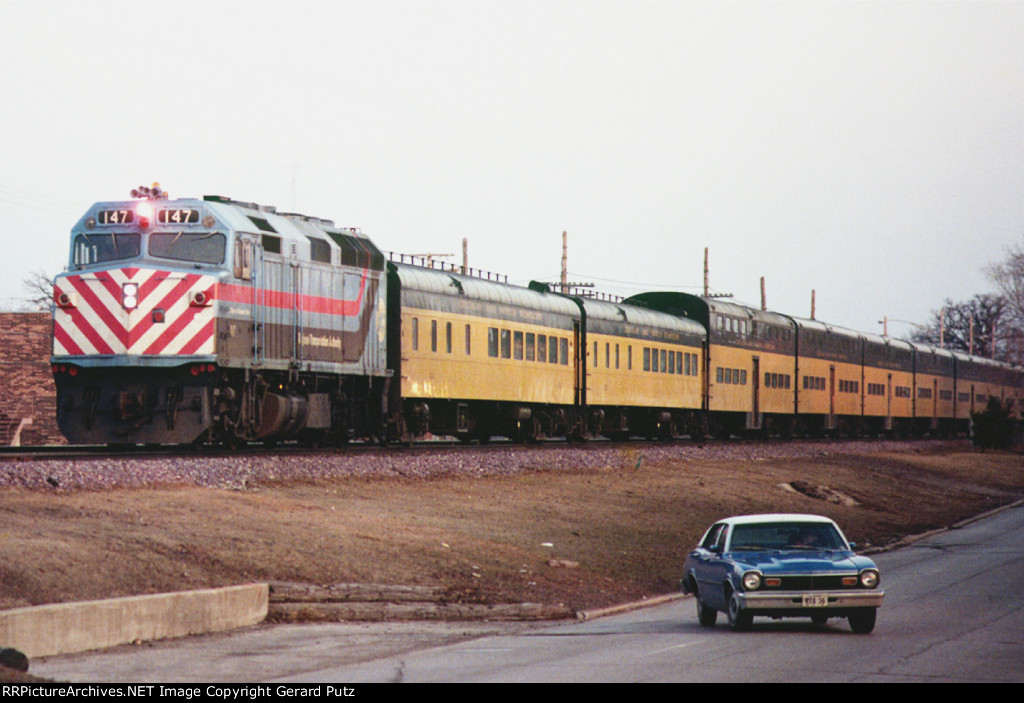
{"x": 26, "y": 383}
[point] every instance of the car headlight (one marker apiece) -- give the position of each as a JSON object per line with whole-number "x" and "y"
{"x": 751, "y": 581}
{"x": 869, "y": 578}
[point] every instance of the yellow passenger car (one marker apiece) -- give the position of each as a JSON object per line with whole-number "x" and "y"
{"x": 830, "y": 395}
{"x": 749, "y": 362}
{"x": 479, "y": 358}
{"x": 980, "y": 381}
{"x": 888, "y": 385}
{"x": 934, "y": 390}
{"x": 643, "y": 371}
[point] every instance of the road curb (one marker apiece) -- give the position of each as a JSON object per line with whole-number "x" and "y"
{"x": 625, "y": 607}
{"x": 66, "y": 628}
{"x": 910, "y": 539}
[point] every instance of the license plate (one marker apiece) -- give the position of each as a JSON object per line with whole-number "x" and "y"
{"x": 815, "y": 601}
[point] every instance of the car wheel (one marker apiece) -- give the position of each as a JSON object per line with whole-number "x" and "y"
{"x": 705, "y": 615}
{"x": 863, "y": 621}
{"x": 738, "y": 619}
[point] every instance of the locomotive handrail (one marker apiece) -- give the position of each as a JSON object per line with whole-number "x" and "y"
{"x": 438, "y": 265}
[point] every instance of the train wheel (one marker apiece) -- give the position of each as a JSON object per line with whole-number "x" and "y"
{"x": 787, "y": 429}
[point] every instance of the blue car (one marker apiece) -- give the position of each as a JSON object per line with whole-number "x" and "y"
{"x": 781, "y": 566}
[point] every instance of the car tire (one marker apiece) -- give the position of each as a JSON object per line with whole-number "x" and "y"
{"x": 863, "y": 621}
{"x": 738, "y": 619}
{"x": 705, "y": 615}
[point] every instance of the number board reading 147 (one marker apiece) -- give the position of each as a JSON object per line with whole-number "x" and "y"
{"x": 181, "y": 216}
{"x": 115, "y": 217}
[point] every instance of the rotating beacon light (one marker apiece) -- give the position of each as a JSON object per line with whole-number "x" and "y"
{"x": 144, "y": 210}
{"x": 144, "y": 214}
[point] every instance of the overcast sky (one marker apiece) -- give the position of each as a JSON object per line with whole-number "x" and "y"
{"x": 871, "y": 151}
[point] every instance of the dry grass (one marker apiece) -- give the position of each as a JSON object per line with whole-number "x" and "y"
{"x": 488, "y": 539}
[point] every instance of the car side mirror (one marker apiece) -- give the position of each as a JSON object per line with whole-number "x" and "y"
{"x": 853, "y": 546}
{"x": 715, "y": 549}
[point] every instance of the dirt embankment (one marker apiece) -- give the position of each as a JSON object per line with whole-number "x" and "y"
{"x": 583, "y": 528}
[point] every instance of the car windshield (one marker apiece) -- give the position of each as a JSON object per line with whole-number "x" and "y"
{"x": 786, "y": 535}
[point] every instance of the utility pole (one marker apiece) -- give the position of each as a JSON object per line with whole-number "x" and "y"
{"x": 707, "y": 279}
{"x": 707, "y": 287}
{"x": 565, "y": 262}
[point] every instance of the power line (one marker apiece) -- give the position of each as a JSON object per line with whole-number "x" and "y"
{"x": 36, "y": 201}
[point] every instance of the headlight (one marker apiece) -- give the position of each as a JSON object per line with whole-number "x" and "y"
{"x": 869, "y": 578}
{"x": 130, "y": 296}
{"x": 751, "y": 581}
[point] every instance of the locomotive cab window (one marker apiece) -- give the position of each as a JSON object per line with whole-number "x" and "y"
{"x": 95, "y": 248}
{"x": 243, "y": 259}
{"x": 204, "y": 248}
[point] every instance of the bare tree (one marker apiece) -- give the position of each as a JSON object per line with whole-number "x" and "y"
{"x": 1008, "y": 275}
{"x": 979, "y": 325}
{"x": 38, "y": 288}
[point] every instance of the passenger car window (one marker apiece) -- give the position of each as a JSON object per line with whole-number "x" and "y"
{"x": 492, "y": 341}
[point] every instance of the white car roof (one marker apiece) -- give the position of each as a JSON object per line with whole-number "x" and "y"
{"x": 775, "y": 517}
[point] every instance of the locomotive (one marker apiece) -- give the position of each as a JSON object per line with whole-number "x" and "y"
{"x": 182, "y": 321}
{"x": 220, "y": 321}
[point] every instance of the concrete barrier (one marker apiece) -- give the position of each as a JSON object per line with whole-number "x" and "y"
{"x": 64, "y": 628}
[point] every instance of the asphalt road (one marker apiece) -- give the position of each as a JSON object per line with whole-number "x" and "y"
{"x": 954, "y": 611}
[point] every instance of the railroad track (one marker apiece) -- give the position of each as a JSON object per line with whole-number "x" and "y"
{"x": 436, "y": 444}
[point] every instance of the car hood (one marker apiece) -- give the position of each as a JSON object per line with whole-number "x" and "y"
{"x": 802, "y": 562}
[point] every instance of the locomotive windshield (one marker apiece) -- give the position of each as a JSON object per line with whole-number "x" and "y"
{"x": 205, "y": 248}
{"x": 105, "y": 246}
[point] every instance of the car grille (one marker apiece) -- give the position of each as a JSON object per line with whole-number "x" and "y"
{"x": 814, "y": 583}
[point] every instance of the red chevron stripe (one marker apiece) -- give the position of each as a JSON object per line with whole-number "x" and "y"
{"x": 65, "y": 340}
{"x": 180, "y": 290}
{"x": 172, "y": 331}
{"x": 200, "y": 338}
{"x": 91, "y": 300}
